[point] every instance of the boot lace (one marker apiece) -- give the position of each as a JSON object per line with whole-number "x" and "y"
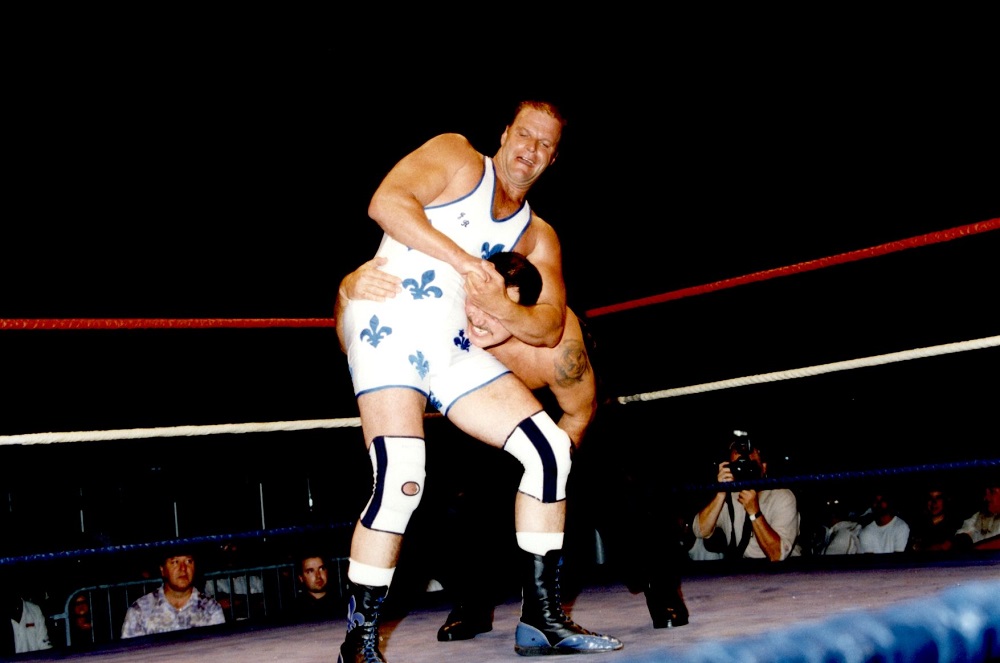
{"x": 369, "y": 649}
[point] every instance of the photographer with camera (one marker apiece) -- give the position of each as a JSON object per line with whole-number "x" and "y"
{"x": 750, "y": 524}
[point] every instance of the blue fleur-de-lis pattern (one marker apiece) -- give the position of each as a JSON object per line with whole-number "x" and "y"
{"x": 417, "y": 339}
{"x": 424, "y": 288}
{"x": 355, "y": 618}
{"x": 420, "y": 363}
{"x": 488, "y": 250}
{"x": 374, "y": 334}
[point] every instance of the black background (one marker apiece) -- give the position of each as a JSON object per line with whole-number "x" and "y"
{"x": 225, "y": 176}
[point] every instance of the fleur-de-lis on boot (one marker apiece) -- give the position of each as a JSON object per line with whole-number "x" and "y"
{"x": 356, "y": 618}
{"x": 462, "y": 342}
{"x": 420, "y": 363}
{"x": 465, "y": 222}
{"x": 434, "y": 400}
{"x": 423, "y": 290}
{"x": 374, "y": 335}
{"x": 488, "y": 251}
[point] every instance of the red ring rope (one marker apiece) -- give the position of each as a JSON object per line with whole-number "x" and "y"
{"x": 809, "y": 265}
{"x": 161, "y": 323}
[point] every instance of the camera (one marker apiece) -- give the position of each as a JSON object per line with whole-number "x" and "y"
{"x": 743, "y": 468}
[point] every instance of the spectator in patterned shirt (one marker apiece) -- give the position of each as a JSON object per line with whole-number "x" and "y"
{"x": 176, "y": 605}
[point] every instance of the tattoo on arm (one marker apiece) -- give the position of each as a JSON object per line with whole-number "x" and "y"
{"x": 571, "y": 363}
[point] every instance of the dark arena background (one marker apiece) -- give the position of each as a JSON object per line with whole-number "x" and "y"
{"x": 811, "y": 257}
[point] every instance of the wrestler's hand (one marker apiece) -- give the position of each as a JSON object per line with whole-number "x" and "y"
{"x": 488, "y": 294}
{"x": 470, "y": 265}
{"x": 370, "y": 282}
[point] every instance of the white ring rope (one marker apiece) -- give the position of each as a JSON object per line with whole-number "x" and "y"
{"x": 932, "y": 351}
{"x": 310, "y": 424}
{"x": 177, "y": 431}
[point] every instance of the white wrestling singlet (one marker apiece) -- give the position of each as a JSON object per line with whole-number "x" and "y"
{"x": 416, "y": 339}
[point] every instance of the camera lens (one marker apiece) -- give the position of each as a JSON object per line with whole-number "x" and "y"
{"x": 743, "y": 468}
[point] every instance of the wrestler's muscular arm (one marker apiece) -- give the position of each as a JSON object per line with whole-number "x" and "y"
{"x": 441, "y": 170}
{"x": 539, "y": 325}
{"x": 573, "y": 383}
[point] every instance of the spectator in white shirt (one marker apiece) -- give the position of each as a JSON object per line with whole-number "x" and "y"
{"x": 886, "y": 532}
{"x": 27, "y": 624}
{"x": 840, "y": 532}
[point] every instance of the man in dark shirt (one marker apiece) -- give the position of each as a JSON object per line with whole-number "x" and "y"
{"x": 315, "y": 601}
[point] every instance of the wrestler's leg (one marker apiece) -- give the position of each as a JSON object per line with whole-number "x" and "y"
{"x": 397, "y": 413}
{"x": 392, "y": 421}
{"x": 506, "y": 414}
{"x": 491, "y": 414}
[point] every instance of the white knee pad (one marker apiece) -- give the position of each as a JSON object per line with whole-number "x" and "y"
{"x": 544, "y": 450}
{"x": 398, "y": 463}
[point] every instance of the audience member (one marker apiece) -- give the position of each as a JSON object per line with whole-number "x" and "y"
{"x": 981, "y": 531}
{"x": 755, "y": 524}
{"x": 175, "y": 605}
{"x": 840, "y": 531}
{"x": 81, "y": 625}
{"x": 699, "y": 553}
{"x": 315, "y": 601}
{"x": 28, "y": 629}
{"x": 694, "y": 546}
{"x": 935, "y": 527}
{"x": 886, "y": 532}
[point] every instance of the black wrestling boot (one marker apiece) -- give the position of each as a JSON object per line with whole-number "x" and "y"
{"x": 361, "y": 643}
{"x": 666, "y": 604}
{"x": 465, "y": 622}
{"x": 544, "y": 628}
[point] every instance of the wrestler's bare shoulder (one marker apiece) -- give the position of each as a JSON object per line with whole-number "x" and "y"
{"x": 462, "y": 161}
{"x": 452, "y": 144}
{"x": 538, "y": 234}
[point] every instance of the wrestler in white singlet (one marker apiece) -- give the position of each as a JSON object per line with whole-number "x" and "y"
{"x": 386, "y": 348}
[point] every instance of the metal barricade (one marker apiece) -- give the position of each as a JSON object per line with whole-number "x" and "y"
{"x": 255, "y": 593}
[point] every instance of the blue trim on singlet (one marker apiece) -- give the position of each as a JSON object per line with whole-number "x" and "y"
{"x": 474, "y": 389}
{"x": 471, "y": 193}
{"x": 393, "y": 386}
{"x": 493, "y": 193}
